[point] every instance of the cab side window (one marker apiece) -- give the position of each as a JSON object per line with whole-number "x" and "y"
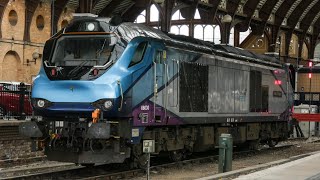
{"x": 139, "y": 53}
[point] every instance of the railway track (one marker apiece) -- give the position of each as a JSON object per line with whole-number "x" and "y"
{"x": 122, "y": 172}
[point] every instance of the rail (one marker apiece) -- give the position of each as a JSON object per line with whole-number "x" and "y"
{"x": 123, "y": 172}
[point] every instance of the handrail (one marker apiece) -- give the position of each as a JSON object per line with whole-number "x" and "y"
{"x": 119, "y": 83}
{"x": 45, "y": 63}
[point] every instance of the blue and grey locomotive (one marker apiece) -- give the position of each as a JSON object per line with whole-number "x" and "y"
{"x": 105, "y": 87}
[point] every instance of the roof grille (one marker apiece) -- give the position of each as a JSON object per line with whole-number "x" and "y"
{"x": 73, "y": 3}
{"x": 123, "y": 7}
{"x": 315, "y": 18}
{"x": 308, "y": 9}
{"x": 293, "y": 7}
{"x": 261, "y": 3}
{"x": 277, "y": 6}
{"x": 100, "y": 5}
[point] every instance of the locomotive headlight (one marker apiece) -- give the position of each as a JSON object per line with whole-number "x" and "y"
{"x": 90, "y": 26}
{"x": 40, "y": 103}
{"x": 108, "y": 104}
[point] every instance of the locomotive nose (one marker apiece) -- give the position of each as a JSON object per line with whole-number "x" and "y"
{"x": 74, "y": 96}
{"x": 74, "y": 91}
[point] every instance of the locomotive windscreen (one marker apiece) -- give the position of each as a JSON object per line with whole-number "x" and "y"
{"x": 82, "y": 57}
{"x": 73, "y": 51}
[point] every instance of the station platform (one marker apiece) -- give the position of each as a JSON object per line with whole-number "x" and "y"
{"x": 307, "y": 168}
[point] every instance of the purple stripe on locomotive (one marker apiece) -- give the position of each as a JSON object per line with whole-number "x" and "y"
{"x": 146, "y": 115}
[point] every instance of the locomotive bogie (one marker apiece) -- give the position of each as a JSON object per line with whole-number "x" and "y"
{"x": 201, "y": 138}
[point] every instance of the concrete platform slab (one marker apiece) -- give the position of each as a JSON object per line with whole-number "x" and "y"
{"x": 305, "y": 168}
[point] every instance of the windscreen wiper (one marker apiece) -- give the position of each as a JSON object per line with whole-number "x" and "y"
{"x": 74, "y": 71}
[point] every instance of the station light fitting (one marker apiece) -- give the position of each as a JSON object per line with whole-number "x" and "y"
{"x": 35, "y": 56}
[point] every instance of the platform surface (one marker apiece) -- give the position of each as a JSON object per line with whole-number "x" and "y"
{"x": 307, "y": 168}
{"x": 10, "y": 122}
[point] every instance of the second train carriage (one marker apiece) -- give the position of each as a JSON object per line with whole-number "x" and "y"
{"x": 146, "y": 84}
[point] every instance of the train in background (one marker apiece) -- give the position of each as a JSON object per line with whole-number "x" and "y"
{"x": 105, "y": 87}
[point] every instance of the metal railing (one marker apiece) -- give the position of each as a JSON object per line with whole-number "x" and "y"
{"x": 312, "y": 98}
{"x": 15, "y": 102}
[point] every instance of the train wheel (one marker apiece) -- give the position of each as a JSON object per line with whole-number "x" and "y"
{"x": 138, "y": 158}
{"x": 272, "y": 143}
{"x": 254, "y": 145}
{"x": 142, "y": 161}
{"x": 177, "y": 155}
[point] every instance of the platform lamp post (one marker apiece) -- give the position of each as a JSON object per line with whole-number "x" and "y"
{"x": 310, "y": 76}
{"x": 226, "y": 19}
{"x": 279, "y": 48}
{"x": 52, "y": 18}
{"x": 277, "y": 44}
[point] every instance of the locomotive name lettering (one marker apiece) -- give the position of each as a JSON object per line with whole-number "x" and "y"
{"x": 277, "y": 94}
{"x": 232, "y": 120}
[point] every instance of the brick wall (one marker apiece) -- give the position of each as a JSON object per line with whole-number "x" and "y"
{"x": 17, "y": 148}
{"x": 14, "y": 51}
{"x": 13, "y": 147}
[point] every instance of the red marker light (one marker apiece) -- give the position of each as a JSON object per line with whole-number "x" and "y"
{"x": 310, "y": 75}
{"x": 277, "y": 82}
{"x": 95, "y": 72}
{"x": 53, "y": 72}
{"x": 310, "y": 64}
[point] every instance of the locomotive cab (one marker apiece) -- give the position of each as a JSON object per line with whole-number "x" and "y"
{"x": 73, "y": 62}
{"x": 80, "y": 75}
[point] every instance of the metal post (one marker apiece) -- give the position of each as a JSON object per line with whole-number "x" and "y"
{"x": 22, "y": 90}
{"x": 148, "y": 168}
{"x": 225, "y": 153}
{"x": 148, "y": 147}
{"x": 310, "y": 107}
{"x": 52, "y": 18}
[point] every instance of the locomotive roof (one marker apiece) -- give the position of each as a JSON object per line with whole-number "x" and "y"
{"x": 129, "y": 31}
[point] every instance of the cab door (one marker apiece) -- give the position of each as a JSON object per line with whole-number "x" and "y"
{"x": 160, "y": 98}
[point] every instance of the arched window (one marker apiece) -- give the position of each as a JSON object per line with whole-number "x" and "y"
{"x": 141, "y": 18}
{"x": 231, "y": 37}
{"x": 154, "y": 13}
{"x": 217, "y": 35}
{"x": 177, "y": 16}
{"x": 204, "y": 32}
{"x": 174, "y": 30}
{"x": 208, "y": 33}
{"x": 197, "y": 14}
{"x": 198, "y": 32}
{"x": 180, "y": 29}
{"x": 317, "y": 52}
{"x": 244, "y": 35}
{"x": 184, "y": 30}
